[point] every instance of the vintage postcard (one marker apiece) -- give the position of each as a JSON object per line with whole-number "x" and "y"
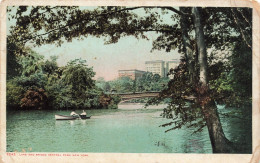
{"x": 129, "y": 81}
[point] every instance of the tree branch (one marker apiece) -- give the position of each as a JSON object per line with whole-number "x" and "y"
{"x": 177, "y": 11}
{"x": 98, "y": 15}
{"x": 240, "y": 28}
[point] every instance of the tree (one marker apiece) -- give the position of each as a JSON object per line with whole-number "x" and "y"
{"x": 13, "y": 65}
{"x": 100, "y": 82}
{"x": 14, "y": 94}
{"x": 107, "y": 87}
{"x": 150, "y": 82}
{"x": 215, "y": 28}
{"x": 218, "y": 140}
{"x": 50, "y": 66}
{"x": 27, "y": 90}
{"x": 79, "y": 76}
{"x": 122, "y": 85}
{"x": 32, "y": 74}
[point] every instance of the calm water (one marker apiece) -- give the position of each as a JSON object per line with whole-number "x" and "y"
{"x": 120, "y": 131}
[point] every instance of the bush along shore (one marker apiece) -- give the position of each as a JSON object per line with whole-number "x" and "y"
{"x": 42, "y": 84}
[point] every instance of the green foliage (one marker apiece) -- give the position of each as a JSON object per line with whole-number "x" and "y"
{"x": 32, "y": 74}
{"x": 102, "y": 84}
{"x": 122, "y": 85}
{"x": 107, "y": 87}
{"x": 14, "y": 94}
{"x": 60, "y": 96}
{"x": 79, "y": 76}
{"x": 50, "y": 66}
{"x": 109, "y": 101}
{"x": 116, "y": 99}
{"x": 233, "y": 84}
{"x": 150, "y": 82}
{"x": 13, "y": 67}
{"x": 38, "y": 79}
{"x": 147, "y": 82}
{"x": 242, "y": 69}
{"x": 44, "y": 85}
{"x": 31, "y": 63}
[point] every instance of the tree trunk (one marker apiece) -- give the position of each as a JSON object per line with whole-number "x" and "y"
{"x": 202, "y": 58}
{"x": 187, "y": 45}
{"x": 220, "y": 144}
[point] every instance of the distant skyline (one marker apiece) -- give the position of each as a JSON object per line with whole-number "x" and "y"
{"x": 106, "y": 60}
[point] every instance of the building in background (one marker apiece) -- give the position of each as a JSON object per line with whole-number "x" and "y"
{"x": 161, "y": 67}
{"x": 156, "y": 67}
{"x": 132, "y": 74}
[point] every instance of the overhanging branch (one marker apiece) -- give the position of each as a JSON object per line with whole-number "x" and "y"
{"x": 104, "y": 14}
{"x": 177, "y": 11}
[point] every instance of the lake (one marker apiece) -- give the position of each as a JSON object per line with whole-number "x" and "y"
{"x": 129, "y": 129}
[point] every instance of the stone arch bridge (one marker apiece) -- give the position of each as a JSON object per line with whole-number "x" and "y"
{"x": 136, "y": 95}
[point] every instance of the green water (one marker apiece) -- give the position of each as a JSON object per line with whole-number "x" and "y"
{"x": 119, "y": 131}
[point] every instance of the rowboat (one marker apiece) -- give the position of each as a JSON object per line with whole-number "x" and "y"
{"x": 64, "y": 117}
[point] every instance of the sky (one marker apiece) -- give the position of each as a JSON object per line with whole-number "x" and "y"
{"x": 106, "y": 60}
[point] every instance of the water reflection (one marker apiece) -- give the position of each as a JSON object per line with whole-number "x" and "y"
{"x": 60, "y": 123}
{"x": 72, "y": 122}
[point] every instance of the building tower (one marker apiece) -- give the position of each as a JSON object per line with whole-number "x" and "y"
{"x": 156, "y": 67}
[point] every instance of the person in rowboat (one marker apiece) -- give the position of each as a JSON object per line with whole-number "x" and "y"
{"x": 73, "y": 113}
{"x": 83, "y": 113}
